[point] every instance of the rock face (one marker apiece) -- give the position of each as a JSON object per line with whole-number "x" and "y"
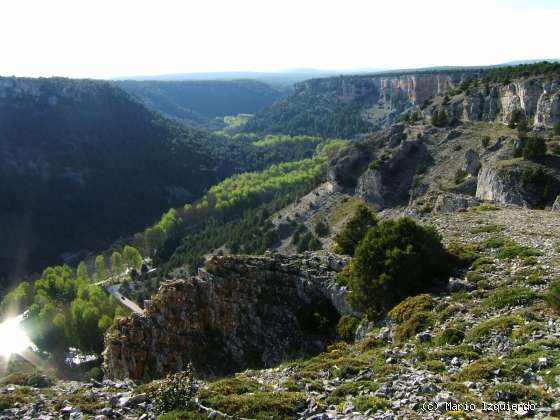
{"x": 241, "y": 312}
{"x": 390, "y": 183}
{"x": 472, "y": 162}
{"x": 500, "y": 186}
{"x": 529, "y": 185}
{"x": 535, "y": 99}
{"x": 450, "y": 203}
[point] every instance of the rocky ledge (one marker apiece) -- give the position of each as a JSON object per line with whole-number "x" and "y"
{"x": 239, "y": 312}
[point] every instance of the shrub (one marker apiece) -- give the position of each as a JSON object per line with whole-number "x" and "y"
{"x": 417, "y": 322}
{"x": 321, "y": 229}
{"x": 485, "y": 141}
{"x": 175, "y": 392}
{"x": 512, "y": 392}
{"x": 510, "y": 296}
{"x": 408, "y": 307}
{"x": 553, "y": 295}
{"x": 501, "y": 324}
{"x": 396, "y": 259}
{"x": 557, "y": 128}
{"x": 534, "y": 149}
{"x": 453, "y": 335}
{"x": 346, "y": 327}
{"x": 355, "y": 230}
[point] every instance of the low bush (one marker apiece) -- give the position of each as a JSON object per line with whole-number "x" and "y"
{"x": 510, "y": 296}
{"x": 175, "y": 392}
{"x": 453, "y": 334}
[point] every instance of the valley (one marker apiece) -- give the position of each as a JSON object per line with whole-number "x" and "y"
{"x": 359, "y": 247}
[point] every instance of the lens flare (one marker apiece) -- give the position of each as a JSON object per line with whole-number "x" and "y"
{"x": 13, "y": 338}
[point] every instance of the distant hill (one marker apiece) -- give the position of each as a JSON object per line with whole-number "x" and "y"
{"x": 200, "y": 102}
{"x": 82, "y": 162}
{"x": 281, "y": 80}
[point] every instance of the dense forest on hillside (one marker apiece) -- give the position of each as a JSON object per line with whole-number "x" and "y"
{"x": 82, "y": 163}
{"x": 202, "y": 103}
{"x": 312, "y": 112}
{"x": 65, "y": 306}
{"x": 507, "y": 74}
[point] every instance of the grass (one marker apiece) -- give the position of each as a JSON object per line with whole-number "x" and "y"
{"x": 346, "y": 209}
{"x": 487, "y": 229}
{"x": 512, "y": 392}
{"x": 83, "y": 398}
{"x": 510, "y": 296}
{"x": 452, "y": 334}
{"x": 21, "y": 395}
{"x": 258, "y": 405}
{"x": 350, "y": 388}
{"x": 502, "y": 324}
{"x": 508, "y": 249}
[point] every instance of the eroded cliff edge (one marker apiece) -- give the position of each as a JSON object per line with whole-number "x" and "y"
{"x": 240, "y": 312}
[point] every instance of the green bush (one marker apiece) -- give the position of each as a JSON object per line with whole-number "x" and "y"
{"x": 175, "y": 392}
{"x": 346, "y": 327}
{"x": 417, "y": 322}
{"x": 395, "y": 260}
{"x": 557, "y": 128}
{"x": 355, "y": 230}
{"x": 453, "y": 334}
{"x": 485, "y": 141}
{"x": 534, "y": 149}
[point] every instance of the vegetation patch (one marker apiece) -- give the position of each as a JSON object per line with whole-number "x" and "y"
{"x": 510, "y": 296}
{"x": 512, "y": 392}
{"x": 502, "y": 324}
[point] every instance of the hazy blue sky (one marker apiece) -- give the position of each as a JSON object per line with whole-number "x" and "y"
{"x": 102, "y": 39}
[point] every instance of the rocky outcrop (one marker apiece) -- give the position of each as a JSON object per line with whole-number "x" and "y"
{"x": 241, "y": 312}
{"x": 535, "y": 99}
{"x": 398, "y": 91}
{"x": 389, "y": 183}
{"x": 472, "y": 162}
{"x": 500, "y": 186}
{"x": 450, "y": 203}
{"x": 525, "y": 184}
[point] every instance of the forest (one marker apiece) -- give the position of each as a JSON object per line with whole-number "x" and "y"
{"x": 202, "y": 103}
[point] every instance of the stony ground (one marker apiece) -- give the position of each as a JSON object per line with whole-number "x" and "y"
{"x": 488, "y": 337}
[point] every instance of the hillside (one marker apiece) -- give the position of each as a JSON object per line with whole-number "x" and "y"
{"x": 411, "y": 272}
{"x": 202, "y": 103}
{"x": 83, "y": 163}
{"x": 352, "y": 105}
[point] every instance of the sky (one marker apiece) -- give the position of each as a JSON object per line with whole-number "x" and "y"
{"x": 119, "y": 38}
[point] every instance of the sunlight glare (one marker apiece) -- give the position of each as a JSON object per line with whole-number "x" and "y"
{"x": 13, "y": 338}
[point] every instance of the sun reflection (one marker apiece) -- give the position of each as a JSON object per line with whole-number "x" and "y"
{"x": 13, "y": 338}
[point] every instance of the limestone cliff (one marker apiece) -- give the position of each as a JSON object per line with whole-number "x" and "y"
{"x": 535, "y": 99}
{"x": 241, "y": 312}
